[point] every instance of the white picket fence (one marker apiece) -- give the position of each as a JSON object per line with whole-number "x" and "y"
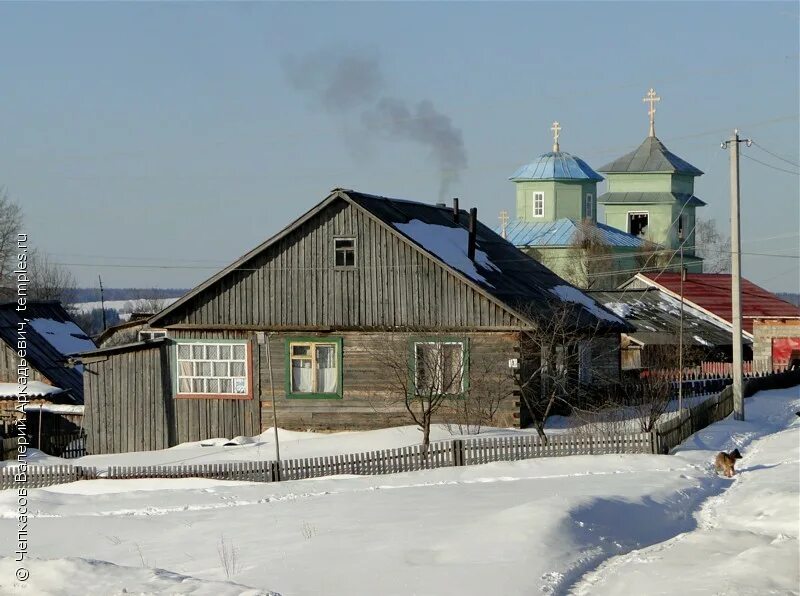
{"x": 442, "y": 454}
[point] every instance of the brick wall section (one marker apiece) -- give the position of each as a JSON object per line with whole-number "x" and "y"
{"x": 764, "y": 330}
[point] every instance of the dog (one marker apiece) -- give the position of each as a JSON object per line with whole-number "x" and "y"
{"x": 725, "y": 462}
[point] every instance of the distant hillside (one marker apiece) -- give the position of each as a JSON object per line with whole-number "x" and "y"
{"x": 792, "y": 297}
{"x": 116, "y": 294}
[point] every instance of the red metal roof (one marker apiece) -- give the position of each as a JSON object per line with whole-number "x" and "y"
{"x": 712, "y": 292}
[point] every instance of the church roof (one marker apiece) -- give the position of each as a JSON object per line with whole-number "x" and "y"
{"x": 650, "y": 197}
{"x": 557, "y": 165}
{"x": 650, "y": 157}
{"x": 562, "y": 232}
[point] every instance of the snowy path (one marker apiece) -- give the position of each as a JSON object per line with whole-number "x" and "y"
{"x": 746, "y": 537}
{"x": 537, "y": 526}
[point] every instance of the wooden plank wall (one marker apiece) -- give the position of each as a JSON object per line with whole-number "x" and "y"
{"x": 204, "y": 418}
{"x": 127, "y": 402}
{"x": 367, "y": 397}
{"x": 9, "y": 360}
{"x": 295, "y": 284}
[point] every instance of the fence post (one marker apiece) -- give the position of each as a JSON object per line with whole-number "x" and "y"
{"x": 458, "y": 452}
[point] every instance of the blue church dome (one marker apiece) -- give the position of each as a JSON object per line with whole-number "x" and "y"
{"x": 556, "y": 165}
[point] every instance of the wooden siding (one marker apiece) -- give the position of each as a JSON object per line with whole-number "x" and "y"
{"x": 9, "y": 361}
{"x": 130, "y": 406}
{"x": 369, "y": 397}
{"x": 294, "y": 284}
{"x": 127, "y": 404}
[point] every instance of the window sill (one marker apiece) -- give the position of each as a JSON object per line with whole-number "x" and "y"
{"x": 237, "y": 396}
{"x": 313, "y": 396}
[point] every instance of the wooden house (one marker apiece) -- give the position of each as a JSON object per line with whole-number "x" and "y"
{"x": 46, "y": 336}
{"x": 770, "y": 325}
{"x": 314, "y": 315}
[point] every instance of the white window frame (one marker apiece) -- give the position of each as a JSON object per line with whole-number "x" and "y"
{"x": 538, "y": 196}
{"x": 226, "y": 357}
{"x": 588, "y": 205}
{"x": 337, "y": 250}
{"x": 440, "y": 372}
{"x": 151, "y": 334}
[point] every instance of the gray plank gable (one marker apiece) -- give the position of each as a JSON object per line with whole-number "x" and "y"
{"x": 291, "y": 282}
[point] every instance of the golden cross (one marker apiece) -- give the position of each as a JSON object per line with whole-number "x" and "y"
{"x": 556, "y": 128}
{"x": 503, "y": 222}
{"x": 652, "y": 98}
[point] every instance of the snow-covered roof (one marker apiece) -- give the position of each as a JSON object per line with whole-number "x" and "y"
{"x": 64, "y": 336}
{"x": 32, "y": 389}
{"x": 51, "y": 336}
{"x": 656, "y": 316}
{"x": 450, "y": 245}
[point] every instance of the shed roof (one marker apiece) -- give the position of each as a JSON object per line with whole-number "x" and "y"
{"x": 609, "y": 198}
{"x": 563, "y": 232}
{"x": 650, "y": 157}
{"x": 711, "y": 292}
{"x": 500, "y": 271}
{"x": 556, "y": 165}
{"x": 656, "y": 316}
{"x": 51, "y": 336}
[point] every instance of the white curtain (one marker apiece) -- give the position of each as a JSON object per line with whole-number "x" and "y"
{"x": 326, "y": 369}
{"x": 302, "y": 377}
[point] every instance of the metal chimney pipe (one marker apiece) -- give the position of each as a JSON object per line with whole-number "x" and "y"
{"x": 473, "y": 231}
{"x": 455, "y": 210}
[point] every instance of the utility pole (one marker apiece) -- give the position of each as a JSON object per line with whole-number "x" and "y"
{"x": 736, "y": 274}
{"x": 102, "y": 302}
{"x": 680, "y": 330}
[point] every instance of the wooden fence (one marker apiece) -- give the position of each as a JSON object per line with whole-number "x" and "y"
{"x": 669, "y": 434}
{"x": 442, "y": 454}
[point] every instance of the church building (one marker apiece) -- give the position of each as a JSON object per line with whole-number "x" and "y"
{"x": 648, "y": 212}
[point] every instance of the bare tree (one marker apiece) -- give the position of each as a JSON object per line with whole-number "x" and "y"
{"x": 590, "y": 259}
{"x": 489, "y": 385}
{"x": 49, "y": 280}
{"x": 712, "y": 246}
{"x": 552, "y": 357}
{"x": 423, "y": 375}
{"x": 10, "y": 227}
{"x": 650, "y": 256}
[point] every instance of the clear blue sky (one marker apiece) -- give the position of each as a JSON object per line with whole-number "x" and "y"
{"x": 168, "y": 133}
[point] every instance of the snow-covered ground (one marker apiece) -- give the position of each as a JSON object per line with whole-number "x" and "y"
{"x": 124, "y": 307}
{"x": 613, "y": 524}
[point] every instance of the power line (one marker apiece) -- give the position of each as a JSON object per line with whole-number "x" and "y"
{"x": 775, "y": 155}
{"x": 763, "y": 163}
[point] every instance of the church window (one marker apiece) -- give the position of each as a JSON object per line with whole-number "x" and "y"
{"x": 538, "y": 204}
{"x": 589, "y": 205}
{"x": 637, "y": 223}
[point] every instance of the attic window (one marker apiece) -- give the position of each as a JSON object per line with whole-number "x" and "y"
{"x": 637, "y": 223}
{"x": 344, "y": 252}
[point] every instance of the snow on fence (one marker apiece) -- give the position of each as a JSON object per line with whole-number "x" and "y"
{"x": 441, "y": 454}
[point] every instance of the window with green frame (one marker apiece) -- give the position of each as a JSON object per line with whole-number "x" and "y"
{"x": 440, "y": 366}
{"x": 314, "y": 368}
